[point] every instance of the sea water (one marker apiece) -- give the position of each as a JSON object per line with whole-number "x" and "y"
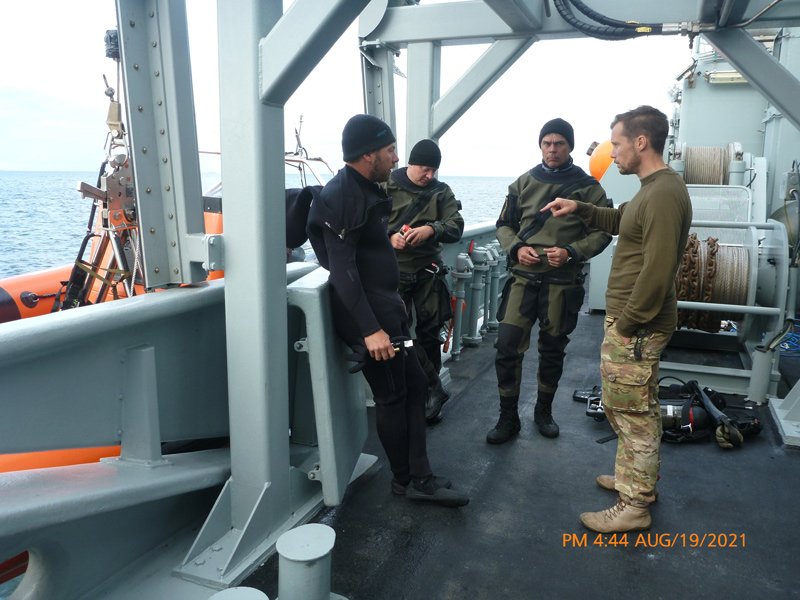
{"x": 43, "y": 218}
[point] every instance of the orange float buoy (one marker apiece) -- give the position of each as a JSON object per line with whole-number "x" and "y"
{"x": 600, "y": 160}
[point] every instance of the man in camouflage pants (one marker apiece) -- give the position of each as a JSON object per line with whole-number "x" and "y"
{"x": 425, "y": 214}
{"x": 641, "y": 309}
{"x": 546, "y": 257}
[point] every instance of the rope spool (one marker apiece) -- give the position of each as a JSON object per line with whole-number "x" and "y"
{"x": 712, "y": 273}
{"x": 706, "y": 165}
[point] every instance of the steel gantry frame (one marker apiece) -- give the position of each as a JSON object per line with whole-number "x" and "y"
{"x": 512, "y": 26}
{"x": 264, "y": 55}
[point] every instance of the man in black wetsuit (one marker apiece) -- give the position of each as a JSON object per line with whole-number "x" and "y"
{"x": 347, "y": 229}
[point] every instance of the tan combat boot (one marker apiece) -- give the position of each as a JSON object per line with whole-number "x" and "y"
{"x": 619, "y": 518}
{"x": 607, "y": 483}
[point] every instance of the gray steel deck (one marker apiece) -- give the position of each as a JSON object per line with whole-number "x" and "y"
{"x": 527, "y": 495}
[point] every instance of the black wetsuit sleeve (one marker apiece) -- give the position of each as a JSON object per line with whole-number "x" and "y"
{"x": 346, "y": 282}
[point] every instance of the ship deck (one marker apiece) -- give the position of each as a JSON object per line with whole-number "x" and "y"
{"x": 725, "y": 525}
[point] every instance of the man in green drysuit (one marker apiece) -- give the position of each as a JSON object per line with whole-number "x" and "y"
{"x": 425, "y": 214}
{"x": 546, "y": 258}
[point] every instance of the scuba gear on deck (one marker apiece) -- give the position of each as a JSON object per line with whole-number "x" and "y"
{"x": 688, "y": 413}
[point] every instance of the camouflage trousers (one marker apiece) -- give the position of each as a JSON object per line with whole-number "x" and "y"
{"x": 630, "y": 402}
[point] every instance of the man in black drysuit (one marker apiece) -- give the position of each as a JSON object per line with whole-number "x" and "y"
{"x": 347, "y": 229}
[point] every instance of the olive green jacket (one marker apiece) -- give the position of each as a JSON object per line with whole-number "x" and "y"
{"x": 522, "y": 223}
{"x": 434, "y": 205}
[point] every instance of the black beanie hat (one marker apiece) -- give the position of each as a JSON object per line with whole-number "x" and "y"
{"x": 561, "y": 127}
{"x": 363, "y": 134}
{"x": 426, "y": 154}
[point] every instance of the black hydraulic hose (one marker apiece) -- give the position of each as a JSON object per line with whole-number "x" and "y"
{"x": 603, "y": 33}
{"x": 604, "y": 20}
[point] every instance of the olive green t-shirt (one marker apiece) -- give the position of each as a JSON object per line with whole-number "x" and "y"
{"x": 652, "y": 228}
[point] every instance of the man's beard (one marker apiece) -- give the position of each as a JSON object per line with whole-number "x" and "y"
{"x": 379, "y": 173}
{"x": 632, "y": 168}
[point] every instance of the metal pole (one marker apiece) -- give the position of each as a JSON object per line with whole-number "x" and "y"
{"x": 462, "y": 272}
{"x": 481, "y": 267}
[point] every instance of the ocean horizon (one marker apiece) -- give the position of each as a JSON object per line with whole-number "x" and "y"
{"x": 43, "y": 218}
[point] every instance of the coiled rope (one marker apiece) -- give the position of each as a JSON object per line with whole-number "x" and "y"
{"x": 712, "y": 273}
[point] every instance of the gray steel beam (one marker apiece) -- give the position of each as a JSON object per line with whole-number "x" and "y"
{"x": 478, "y": 78}
{"x": 377, "y": 71}
{"x": 761, "y": 69}
{"x": 251, "y": 134}
{"x": 424, "y": 70}
{"x": 516, "y": 14}
{"x": 475, "y": 21}
{"x": 258, "y": 501}
{"x": 154, "y": 41}
{"x": 731, "y": 11}
{"x": 465, "y": 22}
{"x": 50, "y": 401}
{"x": 309, "y": 28}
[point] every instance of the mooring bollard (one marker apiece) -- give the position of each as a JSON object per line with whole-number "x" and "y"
{"x": 240, "y": 593}
{"x": 304, "y": 564}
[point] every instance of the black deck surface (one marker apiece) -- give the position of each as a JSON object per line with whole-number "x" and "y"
{"x": 520, "y": 536}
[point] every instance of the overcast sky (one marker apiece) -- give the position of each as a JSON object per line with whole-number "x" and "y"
{"x": 53, "y": 107}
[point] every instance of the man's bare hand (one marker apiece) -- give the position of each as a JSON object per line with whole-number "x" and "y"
{"x": 417, "y": 235}
{"x": 556, "y": 257}
{"x": 561, "y": 206}
{"x": 527, "y": 256}
{"x": 379, "y": 345}
{"x": 398, "y": 241}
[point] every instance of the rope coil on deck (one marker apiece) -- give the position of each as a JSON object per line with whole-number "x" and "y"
{"x": 711, "y": 273}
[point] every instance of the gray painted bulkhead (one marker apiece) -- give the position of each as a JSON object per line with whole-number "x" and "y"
{"x": 233, "y": 364}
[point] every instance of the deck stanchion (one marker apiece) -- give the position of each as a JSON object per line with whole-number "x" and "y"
{"x": 487, "y": 289}
{"x": 461, "y": 273}
{"x": 497, "y": 271}
{"x": 480, "y": 260}
{"x": 763, "y": 359}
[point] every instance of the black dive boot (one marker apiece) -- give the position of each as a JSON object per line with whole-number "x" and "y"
{"x": 508, "y": 423}
{"x": 543, "y": 416}
{"x": 437, "y": 396}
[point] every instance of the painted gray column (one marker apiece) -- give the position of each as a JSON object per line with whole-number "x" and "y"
{"x": 377, "y": 70}
{"x": 255, "y": 265}
{"x": 424, "y": 67}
